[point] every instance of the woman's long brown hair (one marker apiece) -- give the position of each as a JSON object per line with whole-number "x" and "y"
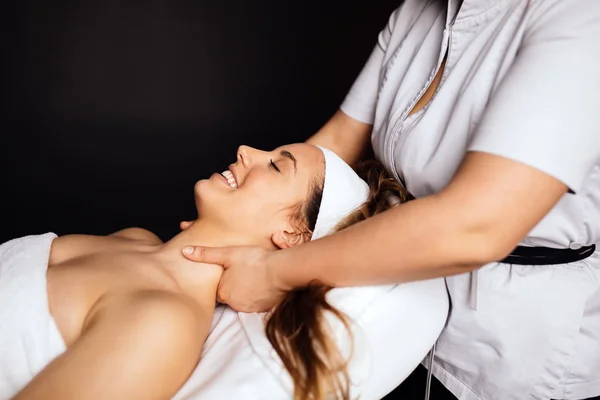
{"x": 297, "y": 327}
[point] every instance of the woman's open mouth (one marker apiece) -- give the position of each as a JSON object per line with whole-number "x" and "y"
{"x": 228, "y": 175}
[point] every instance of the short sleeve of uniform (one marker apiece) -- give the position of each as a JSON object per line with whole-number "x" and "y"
{"x": 546, "y": 111}
{"x": 361, "y": 100}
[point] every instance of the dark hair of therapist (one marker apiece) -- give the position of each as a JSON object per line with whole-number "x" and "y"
{"x": 488, "y": 111}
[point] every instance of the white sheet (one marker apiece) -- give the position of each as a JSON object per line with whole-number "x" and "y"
{"x": 397, "y": 327}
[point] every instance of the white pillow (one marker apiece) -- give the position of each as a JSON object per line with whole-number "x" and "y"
{"x": 394, "y": 326}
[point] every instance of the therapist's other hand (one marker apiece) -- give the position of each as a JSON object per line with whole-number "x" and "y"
{"x": 183, "y": 225}
{"x": 247, "y": 284}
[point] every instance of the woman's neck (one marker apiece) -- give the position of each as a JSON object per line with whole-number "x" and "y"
{"x": 192, "y": 276}
{"x": 202, "y": 233}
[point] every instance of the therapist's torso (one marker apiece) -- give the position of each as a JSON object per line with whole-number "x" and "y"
{"x": 479, "y": 42}
{"x": 520, "y": 80}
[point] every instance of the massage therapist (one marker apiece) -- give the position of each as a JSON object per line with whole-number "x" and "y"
{"x": 488, "y": 111}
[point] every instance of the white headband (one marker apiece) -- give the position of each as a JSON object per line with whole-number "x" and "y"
{"x": 343, "y": 192}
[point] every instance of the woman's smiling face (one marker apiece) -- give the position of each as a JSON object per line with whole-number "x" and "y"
{"x": 260, "y": 193}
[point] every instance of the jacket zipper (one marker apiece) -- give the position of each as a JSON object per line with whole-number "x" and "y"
{"x": 397, "y": 125}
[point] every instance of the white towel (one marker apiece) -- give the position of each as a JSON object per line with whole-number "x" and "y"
{"x": 29, "y": 337}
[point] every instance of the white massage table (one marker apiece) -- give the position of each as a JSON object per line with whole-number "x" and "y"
{"x": 397, "y": 326}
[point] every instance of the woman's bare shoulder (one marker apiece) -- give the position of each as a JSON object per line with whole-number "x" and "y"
{"x": 156, "y": 304}
{"x": 138, "y": 234}
{"x": 72, "y": 246}
{"x": 162, "y": 318}
{"x": 145, "y": 343}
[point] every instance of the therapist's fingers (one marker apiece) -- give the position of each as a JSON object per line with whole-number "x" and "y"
{"x": 221, "y": 298}
{"x": 247, "y": 288}
{"x": 246, "y": 284}
{"x": 183, "y": 225}
{"x": 209, "y": 255}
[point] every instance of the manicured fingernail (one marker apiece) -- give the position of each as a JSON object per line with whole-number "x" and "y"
{"x": 188, "y": 250}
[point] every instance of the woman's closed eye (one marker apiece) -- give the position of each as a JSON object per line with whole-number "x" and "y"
{"x": 274, "y": 166}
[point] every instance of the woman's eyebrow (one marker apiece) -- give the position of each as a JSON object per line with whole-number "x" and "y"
{"x": 287, "y": 154}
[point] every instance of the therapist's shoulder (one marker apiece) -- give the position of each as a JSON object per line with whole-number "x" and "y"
{"x": 565, "y": 19}
{"x": 410, "y": 12}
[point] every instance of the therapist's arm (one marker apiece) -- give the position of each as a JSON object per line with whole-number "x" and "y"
{"x": 344, "y": 135}
{"x": 489, "y": 206}
{"x": 537, "y": 136}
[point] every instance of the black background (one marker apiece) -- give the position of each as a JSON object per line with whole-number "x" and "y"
{"x": 111, "y": 111}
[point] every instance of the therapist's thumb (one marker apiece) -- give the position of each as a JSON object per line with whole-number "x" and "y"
{"x": 209, "y": 255}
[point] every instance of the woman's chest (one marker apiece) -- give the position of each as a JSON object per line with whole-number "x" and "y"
{"x": 75, "y": 286}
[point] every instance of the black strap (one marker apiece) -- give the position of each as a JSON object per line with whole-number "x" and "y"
{"x": 523, "y": 255}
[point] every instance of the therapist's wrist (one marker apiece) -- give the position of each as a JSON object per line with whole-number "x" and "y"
{"x": 280, "y": 268}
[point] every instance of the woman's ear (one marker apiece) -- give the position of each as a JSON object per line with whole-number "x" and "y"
{"x": 285, "y": 239}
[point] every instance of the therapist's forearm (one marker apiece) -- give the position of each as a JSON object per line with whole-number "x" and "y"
{"x": 407, "y": 243}
{"x": 489, "y": 206}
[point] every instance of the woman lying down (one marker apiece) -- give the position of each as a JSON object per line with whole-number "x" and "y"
{"x": 125, "y": 316}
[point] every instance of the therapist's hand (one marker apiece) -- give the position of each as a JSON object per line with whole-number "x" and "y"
{"x": 247, "y": 284}
{"x": 183, "y": 225}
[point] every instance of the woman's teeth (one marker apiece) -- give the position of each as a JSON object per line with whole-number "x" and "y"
{"x": 230, "y": 179}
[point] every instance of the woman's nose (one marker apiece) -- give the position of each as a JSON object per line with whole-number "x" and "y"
{"x": 244, "y": 155}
